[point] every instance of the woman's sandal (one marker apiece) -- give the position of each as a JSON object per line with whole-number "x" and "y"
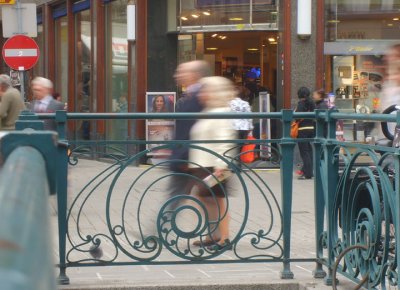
{"x": 219, "y": 247}
{"x": 205, "y": 243}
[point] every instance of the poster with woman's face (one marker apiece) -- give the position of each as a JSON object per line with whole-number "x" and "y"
{"x": 158, "y": 130}
{"x": 160, "y": 102}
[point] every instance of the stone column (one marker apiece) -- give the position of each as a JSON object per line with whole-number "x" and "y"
{"x": 303, "y": 54}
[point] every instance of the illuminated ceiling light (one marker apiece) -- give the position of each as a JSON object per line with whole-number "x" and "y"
{"x": 211, "y": 48}
{"x": 236, "y": 19}
{"x": 333, "y": 21}
{"x": 252, "y": 49}
{"x": 390, "y": 24}
{"x": 223, "y": 37}
{"x": 396, "y": 19}
{"x": 274, "y": 42}
{"x": 214, "y": 35}
{"x": 274, "y": 12}
{"x": 195, "y": 16}
{"x": 184, "y": 18}
{"x": 271, "y": 39}
{"x": 206, "y": 13}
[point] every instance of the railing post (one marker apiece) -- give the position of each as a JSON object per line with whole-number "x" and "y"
{"x": 62, "y": 177}
{"x": 26, "y": 180}
{"x": 287, "y": 148}
{"x": 61, "y": 120}
{"x": 319, "y": 192}
{"x": 28, "y": 119}
{"x": 332, "y": 171}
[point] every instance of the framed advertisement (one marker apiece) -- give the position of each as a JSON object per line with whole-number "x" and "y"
{"x": 265, "y": 124}
{"x": 159, "y": 129}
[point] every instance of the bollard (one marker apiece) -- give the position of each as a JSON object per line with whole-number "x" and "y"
{"x": 26, "y": 255}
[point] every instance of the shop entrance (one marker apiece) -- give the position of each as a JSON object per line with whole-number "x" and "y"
{"x": 236, "y": 55}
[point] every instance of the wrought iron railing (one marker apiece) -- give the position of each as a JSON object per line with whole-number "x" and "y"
{"x": 356, "y": 204}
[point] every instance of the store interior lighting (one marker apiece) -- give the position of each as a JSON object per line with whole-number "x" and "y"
{"x": 195, "y": 16}
{"x": 236, "y": 19}
{"x": 184, "y": 18}
{"x": 214, "y": 35}
{"x": 206, "y": 13}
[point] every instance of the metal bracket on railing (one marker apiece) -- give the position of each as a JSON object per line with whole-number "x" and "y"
{"x": 43, "y": 141}
{"x": 28, "y": 119}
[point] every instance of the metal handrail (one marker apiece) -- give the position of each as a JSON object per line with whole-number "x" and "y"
{"x": 24, "y": 223}
{"x": 179, "y": 116}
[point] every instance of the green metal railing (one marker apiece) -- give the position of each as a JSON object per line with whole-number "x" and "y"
{"x": 24, "y": 218}
{"x": 356, "y": 206}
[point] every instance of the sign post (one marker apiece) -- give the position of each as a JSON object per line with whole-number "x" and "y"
{"x": 20, "y": 53}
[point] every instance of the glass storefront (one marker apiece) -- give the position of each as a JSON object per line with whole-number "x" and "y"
{"x": 357, "y": 36}
{"x": 61, "y": 56}
{"x": 362, "y": 19}
{"x": 226, "y": 15}
{"x": 117, "y": 68}
{"x": 83, "y": 97}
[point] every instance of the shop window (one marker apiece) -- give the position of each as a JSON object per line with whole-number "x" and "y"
{"x": 237, "y": 14}
{"x": 354, "y": 19}
{"x": 117, "y": 68}
{"x": 61, "y": 57}
{"x": 83, "y": 98}
{"x": 355, "y": 84}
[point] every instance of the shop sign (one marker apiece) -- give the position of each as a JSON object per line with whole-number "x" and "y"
{"x": 7, "y": 2}
{"x": 357, "y": 47}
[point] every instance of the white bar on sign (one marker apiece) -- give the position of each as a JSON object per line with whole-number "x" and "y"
{"x": 20, "y": 52}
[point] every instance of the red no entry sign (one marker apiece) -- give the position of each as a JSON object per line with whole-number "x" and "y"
{"x": 20, "y": 52}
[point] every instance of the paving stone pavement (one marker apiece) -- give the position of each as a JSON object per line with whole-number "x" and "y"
{"x": 126, "y": 205}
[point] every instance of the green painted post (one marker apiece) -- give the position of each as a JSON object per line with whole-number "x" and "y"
{"x": 62, "y": 177}
{"x": 287, "y": 148}
{"x": 332, "y": 172}
{"x": 319, "y": 193}
{"x": 61, "y": 120}
{"x": 26, "y": 256}
{"x": 28, "y": 119}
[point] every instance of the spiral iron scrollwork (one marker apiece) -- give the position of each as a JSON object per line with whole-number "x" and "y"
{"x": 142, "y": 223}
{"x": 363, "y": 232}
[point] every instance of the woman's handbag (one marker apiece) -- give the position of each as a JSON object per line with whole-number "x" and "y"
{"x": 294, "y": 129}
{"x": 247, "y": 152}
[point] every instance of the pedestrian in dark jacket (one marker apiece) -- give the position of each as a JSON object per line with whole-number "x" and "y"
{"x": 306, "y": 130}
{"x": 188, "y": 76}
{"x": 319, "y": 98}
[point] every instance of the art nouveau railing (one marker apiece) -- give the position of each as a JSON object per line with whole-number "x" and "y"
{"x": 356, "y": 204}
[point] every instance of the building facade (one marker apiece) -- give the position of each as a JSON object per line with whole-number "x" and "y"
{"x": 84, "y": 50}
